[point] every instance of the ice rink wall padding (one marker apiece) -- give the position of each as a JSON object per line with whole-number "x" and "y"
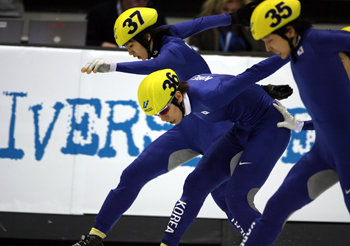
{"x": 67, "y": 136}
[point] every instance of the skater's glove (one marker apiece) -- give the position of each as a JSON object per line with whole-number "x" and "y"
{"x": 289, "y": 121}
{"x": 278, "y": 91}
{"x": 98, "y": 65}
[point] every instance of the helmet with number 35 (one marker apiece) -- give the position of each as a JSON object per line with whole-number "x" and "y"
{"x": 271, "y": 15}
{"x": 133, "y": 21}
{"x": 157, "y": 90}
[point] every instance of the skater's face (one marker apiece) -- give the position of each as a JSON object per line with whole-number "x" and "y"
{"x": 276, "y": 44}
{"x": 172, "y": 114}
{"x": 135, "y": 49}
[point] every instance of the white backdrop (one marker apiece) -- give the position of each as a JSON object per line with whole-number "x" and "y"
{"x": 59, "y": 153}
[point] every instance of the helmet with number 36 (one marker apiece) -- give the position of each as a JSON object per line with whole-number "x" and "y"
{"x": 133, "y": 21}
{"x": 157, "y": 91}
{"x": 271, "y": 15}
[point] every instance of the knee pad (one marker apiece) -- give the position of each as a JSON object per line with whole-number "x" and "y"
{"x": 321, "y": 181}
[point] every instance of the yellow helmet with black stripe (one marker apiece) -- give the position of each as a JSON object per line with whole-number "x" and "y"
{"x": 133, "y": 21}
{"x": 157, "y": 91}
{"x": 271, "y": 15}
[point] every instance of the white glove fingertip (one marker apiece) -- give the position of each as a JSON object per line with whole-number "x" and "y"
{"x": 91, "y": 67}
{"x": 97, "y": 65}
{"x": 281, "y": 110}
{"x": 285, "y": 124}
{"x": 94, "y": 64}
{"x": 276, "y": 106}
{"x": 280, "y": 104}
{"x": 279, "y": 125}
{"x": 87, "y": 65}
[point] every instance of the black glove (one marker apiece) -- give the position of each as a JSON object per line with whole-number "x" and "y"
{"x": 242, "y": 15}
{"x": 278, "y": 92}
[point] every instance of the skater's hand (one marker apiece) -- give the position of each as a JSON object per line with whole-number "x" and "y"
{"x": 98, "y": 65}
{"x": 289, "y": 121}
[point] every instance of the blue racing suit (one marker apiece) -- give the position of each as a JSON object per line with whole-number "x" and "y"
{"x": 178, "y": 145}
{"x": 181, "y": 143}
{"x": 175, "y": 53}
{"x": 325, "y": 91}
{"x": 243, "y": 158}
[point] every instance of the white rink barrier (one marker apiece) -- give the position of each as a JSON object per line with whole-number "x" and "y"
{"x": 66, "y": 137}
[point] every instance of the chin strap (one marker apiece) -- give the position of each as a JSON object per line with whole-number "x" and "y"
{"x": 179, "y": 105}
{"x": 157, "y": 43}
{"x": 293, "y": 49}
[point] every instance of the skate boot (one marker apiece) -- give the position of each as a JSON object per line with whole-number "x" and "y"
{"x": 89, "y": 240}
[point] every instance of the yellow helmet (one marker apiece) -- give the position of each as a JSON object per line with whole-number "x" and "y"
{"x": 157, "y": 90}
{"x": 133, "y": 21}
{"x": 346, "y": 28}
{"x": 271, "y": 15}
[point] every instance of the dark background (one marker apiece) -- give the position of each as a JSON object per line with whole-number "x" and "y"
{"x": 317, "y": 11}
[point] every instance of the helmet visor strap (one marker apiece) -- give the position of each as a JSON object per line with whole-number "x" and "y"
{"x": 281, "y": 33}
{"x": 180, "y": 106}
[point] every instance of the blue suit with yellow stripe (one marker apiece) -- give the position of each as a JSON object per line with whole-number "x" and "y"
{"x": 243, "y": 158}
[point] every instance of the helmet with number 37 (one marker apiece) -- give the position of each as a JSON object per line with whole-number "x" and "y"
{"x": 271, "y": 15}
{"x": 133, "y": 21}
{"x": 157, "y": 90}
